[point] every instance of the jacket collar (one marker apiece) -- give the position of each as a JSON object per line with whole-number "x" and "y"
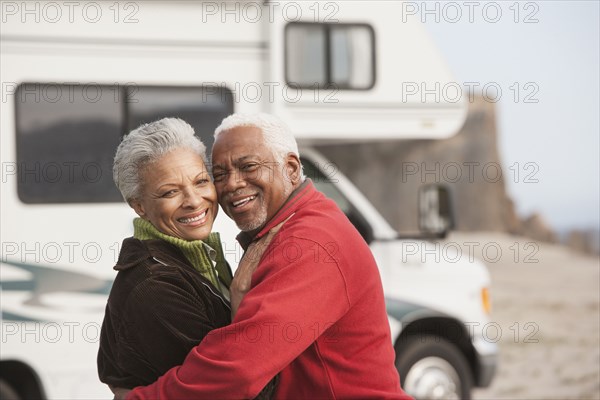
{"x": 135, "y": 251}
{"x": 296, "y": 200}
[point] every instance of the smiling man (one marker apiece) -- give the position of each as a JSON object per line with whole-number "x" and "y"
{"x": 315, "y": 311}
{"x": 253, "y": 182}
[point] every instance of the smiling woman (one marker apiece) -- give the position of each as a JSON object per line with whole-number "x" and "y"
{"x": 178, "y": 197}
{"x": 173, "y": 283}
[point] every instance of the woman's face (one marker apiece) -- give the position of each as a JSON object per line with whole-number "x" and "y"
{"x": 178, "y": 196}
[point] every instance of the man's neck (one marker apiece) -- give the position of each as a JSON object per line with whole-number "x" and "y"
{"x": 254, "y": 232}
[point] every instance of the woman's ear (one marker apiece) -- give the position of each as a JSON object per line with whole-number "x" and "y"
{"x": 138, "y": 207}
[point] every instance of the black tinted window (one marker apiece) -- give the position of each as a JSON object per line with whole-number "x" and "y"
{"x": 203, "y": 107}
{"x": 67, "y": 135}
{"x": 66, "y": 139}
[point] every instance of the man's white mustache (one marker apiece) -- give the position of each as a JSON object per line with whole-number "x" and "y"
{"x": 239, "y": 192}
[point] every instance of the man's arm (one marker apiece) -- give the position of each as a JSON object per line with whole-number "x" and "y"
{"x": 299, "y": 290}
{"x": 120, "y": 393}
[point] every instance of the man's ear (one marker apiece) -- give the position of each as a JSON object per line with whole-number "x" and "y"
{"x": 293, "y": 168}
{"x": 138, "y": 207}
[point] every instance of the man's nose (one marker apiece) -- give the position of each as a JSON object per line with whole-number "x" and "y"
{"x": 234, "y": 181}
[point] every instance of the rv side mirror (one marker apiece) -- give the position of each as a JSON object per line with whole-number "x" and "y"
{"x": 435, "y": 210}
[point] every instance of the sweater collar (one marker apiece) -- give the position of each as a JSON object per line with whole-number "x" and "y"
{"x": 144, "y": 230}
{"x": 296, "y": 200}
{"x": 201, "y": 254}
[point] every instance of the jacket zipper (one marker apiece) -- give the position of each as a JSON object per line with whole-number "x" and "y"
{"x": 205, "y": 284}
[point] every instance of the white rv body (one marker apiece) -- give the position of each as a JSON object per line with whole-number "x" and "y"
{"x": 57, "y": 257}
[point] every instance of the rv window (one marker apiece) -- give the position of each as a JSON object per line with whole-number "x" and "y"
{"x": 66, "y": 139}
{"x": 67, "y": 135}
{"x": 202, "y": 107}
{"x": 330, "y": 55}
{"x": 324, "y": 184}
{"x": 306, "y": 55}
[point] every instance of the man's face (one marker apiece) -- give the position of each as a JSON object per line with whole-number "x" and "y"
{"x": 252, "y": 184}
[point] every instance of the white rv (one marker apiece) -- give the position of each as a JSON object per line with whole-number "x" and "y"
{"x": 76, "y": 76}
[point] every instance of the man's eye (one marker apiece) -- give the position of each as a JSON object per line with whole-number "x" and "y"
{"x": 219, "y": 176}
{"x": 201, "y": 182}
{"x": 249, "y": 167}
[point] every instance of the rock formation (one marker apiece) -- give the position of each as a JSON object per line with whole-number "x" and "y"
{"x": 468, "y": 163}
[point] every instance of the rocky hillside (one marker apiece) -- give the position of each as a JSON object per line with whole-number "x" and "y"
{"x": 390, "y": 174}
{"x": 469, "y": 163}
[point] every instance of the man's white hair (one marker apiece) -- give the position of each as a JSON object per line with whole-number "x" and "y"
{"x": 278, "y": 136}
{"x": 145, "y": 145}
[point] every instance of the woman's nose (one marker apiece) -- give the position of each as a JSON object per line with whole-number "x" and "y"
{"x": 192, "y": 198}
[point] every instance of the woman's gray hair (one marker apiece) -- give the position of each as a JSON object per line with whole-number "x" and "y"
{"x": 278, "y": 136}
{"x": 145, "y": 145}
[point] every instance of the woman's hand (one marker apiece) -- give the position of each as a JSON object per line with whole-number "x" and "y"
{"x": 240, "y": 285}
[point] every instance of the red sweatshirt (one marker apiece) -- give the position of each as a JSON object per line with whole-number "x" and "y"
{"x": 315, "y": 314}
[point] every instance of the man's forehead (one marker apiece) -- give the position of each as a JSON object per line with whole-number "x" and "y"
{"x": 235, "y": 160}
{"x": 241, "y": 133}
{"x": 235, "y": 146}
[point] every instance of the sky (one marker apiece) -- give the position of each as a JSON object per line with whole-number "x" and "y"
{"x": 547, "y": 53}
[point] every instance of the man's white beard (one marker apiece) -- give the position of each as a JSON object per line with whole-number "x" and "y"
{"x": 258, "y": 221}
{"x": 261, "y": 217}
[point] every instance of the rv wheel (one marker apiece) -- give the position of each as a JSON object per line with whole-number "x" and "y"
{"x": 432, "y": 368}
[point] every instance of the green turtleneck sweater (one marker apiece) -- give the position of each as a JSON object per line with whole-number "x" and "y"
{"x": 201, "y": 254}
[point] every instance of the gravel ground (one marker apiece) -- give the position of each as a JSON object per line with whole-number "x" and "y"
{"x": 546, "y": 302}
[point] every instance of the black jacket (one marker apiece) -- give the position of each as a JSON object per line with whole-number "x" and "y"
{"x": 158, "y": 309}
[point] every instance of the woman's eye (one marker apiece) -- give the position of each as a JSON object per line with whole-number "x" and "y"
{"x": 169, "y": 193}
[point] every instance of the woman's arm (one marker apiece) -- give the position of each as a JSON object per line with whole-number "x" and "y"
{"x": 166, "y": 318}
{"x": 151, "y": 323}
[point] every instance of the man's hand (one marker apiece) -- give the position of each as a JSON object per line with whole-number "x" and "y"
{"x": 120, "y": 393}
{"x": 240, "y": 285}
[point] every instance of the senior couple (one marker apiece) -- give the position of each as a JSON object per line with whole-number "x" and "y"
{"x": 304, "y": 314}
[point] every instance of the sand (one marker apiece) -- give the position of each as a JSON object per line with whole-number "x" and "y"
{"x": 546, "y": 302}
